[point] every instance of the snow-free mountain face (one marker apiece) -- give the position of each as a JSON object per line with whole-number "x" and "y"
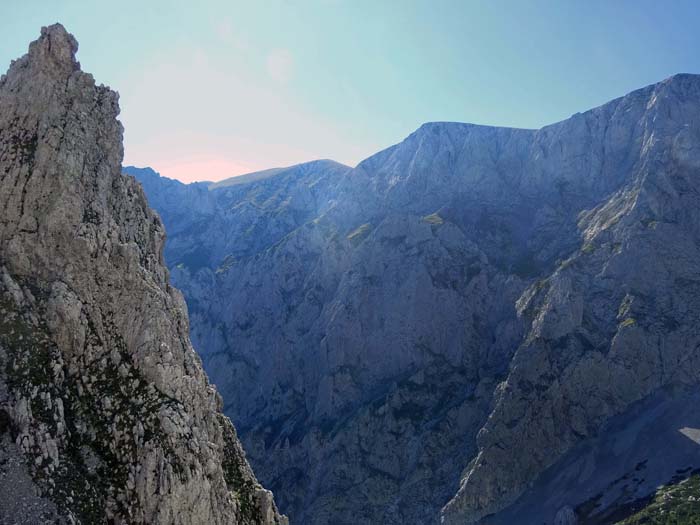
{"x": 466, "y": 325}
{"x": 106, "y": 415}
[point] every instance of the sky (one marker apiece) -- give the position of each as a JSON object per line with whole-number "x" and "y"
{"x": 213, "y": 89}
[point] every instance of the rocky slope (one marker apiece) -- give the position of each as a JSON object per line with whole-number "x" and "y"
{"x": 468, "y": 319}
{"x": 616, "y": 321}
{"x": 106, "y": 415}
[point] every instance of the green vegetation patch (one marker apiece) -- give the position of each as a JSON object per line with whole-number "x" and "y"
{"x": 588, "y": 248}
{"x": 237, "y": 475}
{"x": 630, "y": 321}
{"x": 359, "y": 234}
{"x": 671, "y": 505}
{"x": 228, "y": 263}
{"x": 433, "y": 219}
{"x": 650, "y": 223}
{"x": 35, "y": 369}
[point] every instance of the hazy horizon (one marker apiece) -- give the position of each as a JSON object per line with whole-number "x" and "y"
{"x": 227, "y": 88}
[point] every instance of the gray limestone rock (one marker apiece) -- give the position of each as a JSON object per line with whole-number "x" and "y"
{"x": 105, "y": 412}
{"x": 450, "y": 320}
{"x": 612, "y": 324}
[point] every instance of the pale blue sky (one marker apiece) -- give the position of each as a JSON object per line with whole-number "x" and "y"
{"x": 210, "y": 89}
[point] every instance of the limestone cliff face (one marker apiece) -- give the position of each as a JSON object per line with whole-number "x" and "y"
{"x": 470, "y": 319}
{"x": 614, "y": 323}
{"x": 105, "y": 412}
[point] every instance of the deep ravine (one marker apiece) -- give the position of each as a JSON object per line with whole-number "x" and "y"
{"x": 465, "y": 325}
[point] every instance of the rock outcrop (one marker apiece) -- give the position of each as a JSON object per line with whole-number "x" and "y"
{"x": 468, "y": 319}
{"x": 616, "y": 322}
{"x": 106, "y": 415}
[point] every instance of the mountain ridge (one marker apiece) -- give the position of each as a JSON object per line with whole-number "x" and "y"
{"x": 385, "y": 323}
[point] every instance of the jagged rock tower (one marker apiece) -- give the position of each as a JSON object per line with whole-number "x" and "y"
{"x": 105, "y": 412}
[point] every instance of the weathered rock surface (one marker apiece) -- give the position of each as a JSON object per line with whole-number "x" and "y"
{"x": 617, "y": 320}
{"x": 105, "y": 412}
{"x": 446, "y": 323}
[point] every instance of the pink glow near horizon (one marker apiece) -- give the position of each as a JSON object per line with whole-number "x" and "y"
{"x": 198, "y": 169}
{"x": 191, "y": 156}
{"x": 192, "y": 117}
{"x": 196, "y": 156}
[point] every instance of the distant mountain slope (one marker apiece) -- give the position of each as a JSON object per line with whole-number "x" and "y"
{"x": 272, "y": 172}
{"x": 106, "y": 415}
{"x": 460, "y": 316}
{"x": 207, "y": 225}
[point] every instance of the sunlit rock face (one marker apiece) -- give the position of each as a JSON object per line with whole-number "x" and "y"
{"x": 434, "y": 334}
{"x": 106, "y": 415}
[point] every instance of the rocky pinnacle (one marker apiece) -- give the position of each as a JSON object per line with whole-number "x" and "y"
{"x": 105, "y": 412}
